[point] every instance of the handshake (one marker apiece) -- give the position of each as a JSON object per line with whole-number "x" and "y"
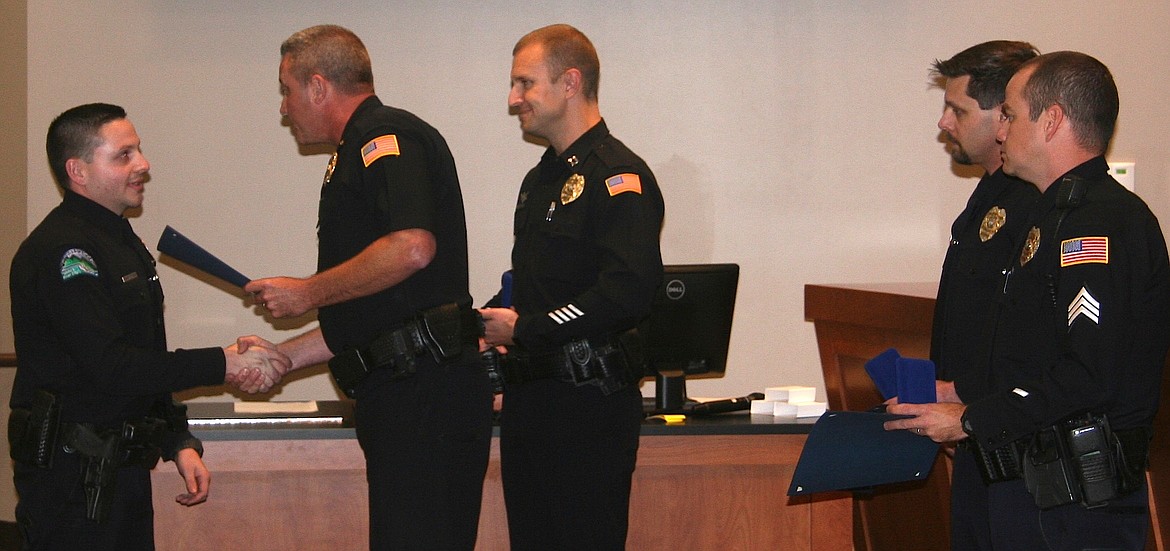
{"x": 255, "y": 365}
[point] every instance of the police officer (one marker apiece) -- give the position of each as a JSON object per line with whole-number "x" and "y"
{"x": 396, "y": 322}
{"x": 1076, "y": 362}
{"x": 983, "y": 236}
{"x": 92, "y": 409}
{"x": 586, "y": 264}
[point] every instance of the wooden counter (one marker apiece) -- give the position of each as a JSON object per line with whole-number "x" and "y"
{"x": 718, "y": 484}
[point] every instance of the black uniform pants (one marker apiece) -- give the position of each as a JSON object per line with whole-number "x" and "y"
{"x": 51, "y": 510}
{"x": 426, "y": 440}
{"x": 1004, "y": 517}
{"x": 567, "y": 456}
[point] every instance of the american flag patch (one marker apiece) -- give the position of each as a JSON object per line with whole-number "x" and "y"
{"x": 1084, "y": 250}
{"x": 623, "y": 183}
{"x": 379, "y": 147}
{"x": 565, "y": 314}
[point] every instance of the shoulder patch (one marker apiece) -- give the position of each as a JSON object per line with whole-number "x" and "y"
{"x": 1084, "y": 250}
{"x": 76, "y": 262}
{"x": 379, "y": 147}
{"x": 623, "y": 183}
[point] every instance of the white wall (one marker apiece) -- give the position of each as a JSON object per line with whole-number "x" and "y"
{"x": 796, "y": 138}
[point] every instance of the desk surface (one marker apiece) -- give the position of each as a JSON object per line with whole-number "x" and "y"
{"x": 213, "y": 421}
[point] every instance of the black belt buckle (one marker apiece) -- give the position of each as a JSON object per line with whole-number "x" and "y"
{"x": 349, "y": 369}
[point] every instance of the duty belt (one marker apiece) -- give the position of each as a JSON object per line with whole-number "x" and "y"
{"x": 607, "y": 362}
{"x": 1077, "y": 460}
{"x": 443, "y": 331}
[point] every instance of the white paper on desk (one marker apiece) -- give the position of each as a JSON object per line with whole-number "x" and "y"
{"x": 309, "y": 406}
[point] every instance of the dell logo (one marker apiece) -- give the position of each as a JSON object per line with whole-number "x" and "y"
{"x": 675, "y": 289}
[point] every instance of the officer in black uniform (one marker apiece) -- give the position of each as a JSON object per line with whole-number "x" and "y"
{"x": 983, "y": 236}
{"x": 1063, "y": 418}
{"x": 586, "y": 264}
{"x": 396, "y": 322}
{"x": 92, "y": 409}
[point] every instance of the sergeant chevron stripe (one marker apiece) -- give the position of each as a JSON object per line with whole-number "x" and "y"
{"x": 565, "y": 314}
{"x": 1084, "y": 305}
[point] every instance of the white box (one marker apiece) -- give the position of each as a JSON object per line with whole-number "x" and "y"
{"x": 790, "y": 394}
{"x": 762, "y": 407}
{"x": 810, "y": 409}
{"x": 784, "y": 409}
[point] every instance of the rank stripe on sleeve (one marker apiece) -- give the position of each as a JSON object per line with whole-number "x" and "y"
{"x": 379, "y": 147}
{"x": 1084, "y": 305}
{"x": 565, "y": 314}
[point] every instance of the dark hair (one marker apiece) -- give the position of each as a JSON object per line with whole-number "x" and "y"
{"x": 990, "y": 66}
{"x": 566, "y": 48}
{"x": 1083, "y": 87}
{"x": 333, "y": 52}
{"x": 74, "y": 134}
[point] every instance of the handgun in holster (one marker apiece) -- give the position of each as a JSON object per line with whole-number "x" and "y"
{"x": 448, "y": 328}
{"x": 33, "y": 432}
{"x": 100, "y": 458}
{"x": 611, "y": 364}
{"x": 443, "y": 331}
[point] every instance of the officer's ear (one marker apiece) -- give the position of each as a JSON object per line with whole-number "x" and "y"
{"x": 571, "y": 81}
{"x": 77, "y": 171}
{"x": 1052, "y": 119}
{"x": 318, "y": 88}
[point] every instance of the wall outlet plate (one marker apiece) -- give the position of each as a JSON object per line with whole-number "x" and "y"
{"x": 1123, "y": 173}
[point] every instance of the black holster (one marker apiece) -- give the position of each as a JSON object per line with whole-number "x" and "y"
{"x": 103, "y": 452}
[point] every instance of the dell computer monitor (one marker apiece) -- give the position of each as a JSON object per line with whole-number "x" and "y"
{"x": 689, "y": 328}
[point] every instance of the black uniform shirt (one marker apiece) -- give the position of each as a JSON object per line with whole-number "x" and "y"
{"x": 586, "y": 263}
{"x": 983, "y": 237}
{"x": 87, "y": 312}
{"x": 393, "y": 172}
{"x": 1085, "y": 320}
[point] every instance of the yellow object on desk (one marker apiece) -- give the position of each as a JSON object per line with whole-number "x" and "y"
{"x": 670, "y": 418}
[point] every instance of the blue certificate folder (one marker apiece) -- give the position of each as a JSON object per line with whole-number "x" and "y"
{"x": 910, "y": 379}
{"x": 177, "y": 245}
{"x": 849, "y": 450}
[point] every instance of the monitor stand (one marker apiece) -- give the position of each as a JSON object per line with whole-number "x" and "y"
{"x": 670, "y": 391}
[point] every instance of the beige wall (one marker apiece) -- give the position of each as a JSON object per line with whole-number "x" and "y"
{"x": 13, "y": 146}
{"x": 795, "y": 138}
{"x": 13, "y": 140}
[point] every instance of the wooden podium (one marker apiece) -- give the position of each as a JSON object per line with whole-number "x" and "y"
{"x": 853, "y": 324}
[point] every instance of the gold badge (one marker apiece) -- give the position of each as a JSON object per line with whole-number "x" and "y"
{"x": 992, "y": 222}
{"x": 329, "y": 169}
{"x": 572, "y": 190}
{"x": 1030, "y": 245}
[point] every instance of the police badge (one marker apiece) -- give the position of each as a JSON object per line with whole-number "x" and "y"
{"x": 329, "y": 169}
{"x": 992, "y": 222}
{"x": 572, "y": 189}
{"x": 1030, "y": 245}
